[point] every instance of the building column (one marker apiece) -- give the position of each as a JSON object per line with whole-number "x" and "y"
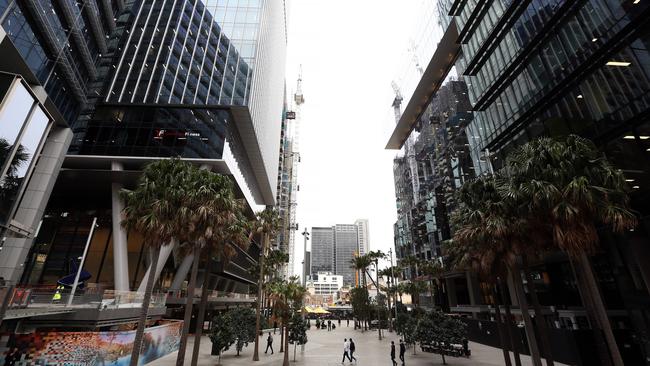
{"x": 165, "y": 251}
{"x": 120, "y": 248}
{"x": 181, "y": 272}
{"x": 451, "y": 292}
{"x": 473, "y": 289}
{"x": 15, "y": 248}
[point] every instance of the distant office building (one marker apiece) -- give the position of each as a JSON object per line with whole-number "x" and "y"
{"x": 322, "y": 250}
{"x": 334, "y": 247}
{"x": 325, "y": 283}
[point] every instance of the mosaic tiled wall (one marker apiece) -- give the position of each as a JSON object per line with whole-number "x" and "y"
{"x": 87, "y": 348}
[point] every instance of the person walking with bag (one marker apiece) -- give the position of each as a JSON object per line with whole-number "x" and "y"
{"x": 402, "y": 350}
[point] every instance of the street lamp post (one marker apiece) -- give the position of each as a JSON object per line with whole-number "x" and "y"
{"x": 305, "y": 234}
{"x": 392, "y": 274}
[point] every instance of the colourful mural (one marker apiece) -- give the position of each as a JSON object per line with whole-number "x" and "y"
{"x": 88, "y": 348}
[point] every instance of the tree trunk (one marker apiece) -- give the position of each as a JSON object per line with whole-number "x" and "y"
{"x": 444, "y": 362}
{"x": 286, "y": 346}
{"x": 281, "y": 337}
{"x": 189, "y": 307}
{"x": 539, "y": 315}
{"x": 528, "y": 323}
{"x": 500, "y": 330}
{"x": 146, "y": 300}
{"x": 508, "y": 324}
{"x": 597, "y": 308}
{"x": 256, "y": 355}
{"x": 201, "y": 316}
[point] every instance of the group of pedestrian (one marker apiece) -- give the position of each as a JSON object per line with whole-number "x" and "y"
{"x": 402, "y": 351}
{"x": 348, "y": 350}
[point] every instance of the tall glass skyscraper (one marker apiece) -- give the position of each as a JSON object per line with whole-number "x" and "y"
{"x": 199, "y": 79}
{"x": 551, "y": 68}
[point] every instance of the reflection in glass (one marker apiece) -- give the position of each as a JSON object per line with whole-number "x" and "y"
{"x": 11, "y": 183}
{"x": 12, "y": 116}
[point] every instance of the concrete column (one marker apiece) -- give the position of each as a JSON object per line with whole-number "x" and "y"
{"x": 473, "y": 289}
{"x": 181, "y": 272}
{"x": 120, "y": 248}
{"x": 32, "y": 206}
{"x": 165, "y": 251}
{"x": 451, "y": 292}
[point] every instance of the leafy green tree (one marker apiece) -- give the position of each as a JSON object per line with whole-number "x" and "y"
{"x": 242, "y": 322}
{"x": 360, "y": 301}
{"x": 297, "y": 332}
{"x": 437, "y": 328}
{"x": 221, "y": 334}
{"x": 406, "y": 324}
{"x": 287, "y": 298}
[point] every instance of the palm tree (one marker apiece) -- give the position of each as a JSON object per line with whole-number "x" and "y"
{"x": 152, "y": 209}
{"x": 267, "y": 224}
{"x": 231, "y": 230}
{"x": 433, "y": 270}
{"x": 359, "y": 264}
{"x": 489, "y": 237}
{"x": 572, "y": 189}
{"x": 287, "y": 300}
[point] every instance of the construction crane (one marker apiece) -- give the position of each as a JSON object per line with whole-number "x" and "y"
{"x": 397, "y": 102}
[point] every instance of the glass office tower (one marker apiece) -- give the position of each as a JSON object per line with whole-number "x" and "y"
{"x": 201, "y": 80}
{"x": 555, "y": 67}
{"x": 49, "y": 57}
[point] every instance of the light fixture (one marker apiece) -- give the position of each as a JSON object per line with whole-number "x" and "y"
{"x": 635, "y": 187}
{"x": 629, "y": 180}
{"x": 636, "y": 1}
{"x": 644, "y": 137}
{"x": 579, "y": 96}
{"x": 618, "y": 63}
{"x": 628, "y": 137}
{"x": 594, "y": 39}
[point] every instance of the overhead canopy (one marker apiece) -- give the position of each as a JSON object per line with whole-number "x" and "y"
{"x": 441, "y": 63}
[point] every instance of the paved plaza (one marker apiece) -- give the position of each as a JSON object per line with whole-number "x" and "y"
{"x": 326, "y": 349}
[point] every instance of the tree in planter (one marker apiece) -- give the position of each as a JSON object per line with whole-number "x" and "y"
{"x": 242, "y": 321}
{"x": 153, "y": 209}
{"x": 297, "y": 332}
{"x": 267, "y": 224}
{"x": 572, "y": 189}
{"x": 440, "y": 330}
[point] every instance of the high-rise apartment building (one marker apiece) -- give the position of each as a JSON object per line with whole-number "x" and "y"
{"x": 202, "y": 80}
{"x": 334, "y": 247}
{"x": 551, "y": 68}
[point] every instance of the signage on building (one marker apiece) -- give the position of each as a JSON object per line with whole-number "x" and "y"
{"x": 291, "y": 115}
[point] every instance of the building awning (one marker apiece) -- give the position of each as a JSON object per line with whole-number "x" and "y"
{"x": 441, "y": 63}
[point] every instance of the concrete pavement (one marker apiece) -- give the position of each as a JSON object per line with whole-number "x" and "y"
{"x": 326, "y": 349}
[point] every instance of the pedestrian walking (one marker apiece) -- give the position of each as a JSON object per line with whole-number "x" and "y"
{"x": 346, "y": 350}
{"x": 269, "y": 343}
{"x": 348, "y": 320}
{"x": 392, "y": 353}
{"x": 352, "y": 349}
{"x": 402, "y": 350}
{"x": 329, "y": 325}
{"x": 339, "y": 322}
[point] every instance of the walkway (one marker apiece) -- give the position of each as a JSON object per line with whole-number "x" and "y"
{"x": 325, "y": 349}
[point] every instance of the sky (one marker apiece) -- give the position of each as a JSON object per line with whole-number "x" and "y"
{"x": 350, "y": 51}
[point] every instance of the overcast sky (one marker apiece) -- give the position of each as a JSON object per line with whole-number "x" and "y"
{"x": 349, "y": 52}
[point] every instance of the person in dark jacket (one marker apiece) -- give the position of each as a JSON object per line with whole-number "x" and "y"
{"x": 352, "y": 349}
{"x": 392, "y": 353}
{"x": 402, "y": 350}
{"x": 269, "y": 343}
